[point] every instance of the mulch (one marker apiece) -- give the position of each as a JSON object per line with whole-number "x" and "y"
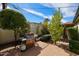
{"x": 12, "y": 52}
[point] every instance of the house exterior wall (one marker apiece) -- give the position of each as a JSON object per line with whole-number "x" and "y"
{"x": 78, "y": 26}
{"x": 6, "y": 36}
{"x": 33, "y": 27}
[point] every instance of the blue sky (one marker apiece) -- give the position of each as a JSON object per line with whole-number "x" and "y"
{"x": 37, "y": 12}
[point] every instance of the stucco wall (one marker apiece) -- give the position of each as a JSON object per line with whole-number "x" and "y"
{"x": 33, "y": 27}
{"x": 78, "y": 26}
{"x": 6, "y": 36}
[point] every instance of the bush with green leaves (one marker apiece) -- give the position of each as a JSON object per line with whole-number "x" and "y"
{"x": 74, "y": 39}
{"x": 12, "y": 20}
{"x": 44, "y": 29}
{"x": 74, "y": 46}
{"x": 55, "y": 27}
{"x": 25, "y": 30}
{"x": 73, "y": 33}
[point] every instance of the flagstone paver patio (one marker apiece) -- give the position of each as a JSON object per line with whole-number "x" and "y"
{"x": 46, "y": 49}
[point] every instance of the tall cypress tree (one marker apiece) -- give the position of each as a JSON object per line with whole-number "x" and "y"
{"x": 55, "y": 27}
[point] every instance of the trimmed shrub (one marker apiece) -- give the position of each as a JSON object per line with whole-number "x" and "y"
{"x": 44, "y": 31}
{"x": 45, "y": 38}
{"x": 74, "y": 46}
{"x": 74, "y": 39}
{"x": 73, "y": 33}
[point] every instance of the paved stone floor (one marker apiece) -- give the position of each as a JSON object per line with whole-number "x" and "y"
{"x": 46, "y": 49}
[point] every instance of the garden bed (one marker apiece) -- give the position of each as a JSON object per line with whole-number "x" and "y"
{"x": 11, "y": 52}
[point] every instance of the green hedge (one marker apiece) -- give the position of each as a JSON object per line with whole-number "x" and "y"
{"x": 74, "y": 46}
{"x": 74, "y": 39}
{"x": 73, "y": 33}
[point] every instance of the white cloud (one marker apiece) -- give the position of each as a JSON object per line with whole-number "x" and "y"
{"x": 67, "y": 12}
{"x": 8, "y": 7}
{"x": 63, "y": 21}
{"x": 36, "y": 13}
{"x": 66, "y": 9}
{"x": 56, "y": 5}
{"x": 50, "y": 17}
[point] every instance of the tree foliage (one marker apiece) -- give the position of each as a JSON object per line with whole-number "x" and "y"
{"x": 45, "y": 23}
{"x": 55, "y": 27}
{"x": 25, "y": 29}
{"x": 37, "y": 29}
{"x": 44, "y": 29}
{"x": 12, "y": 20}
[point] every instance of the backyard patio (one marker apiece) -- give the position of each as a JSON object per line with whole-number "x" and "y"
{"x": 49, "y": 37}
{"x": 43, "y": 49}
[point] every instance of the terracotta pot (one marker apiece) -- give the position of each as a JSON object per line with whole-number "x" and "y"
{"x": 30, "y": 42}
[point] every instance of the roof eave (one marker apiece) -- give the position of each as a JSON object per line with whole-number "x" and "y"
{"x": 76, "y": 15}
